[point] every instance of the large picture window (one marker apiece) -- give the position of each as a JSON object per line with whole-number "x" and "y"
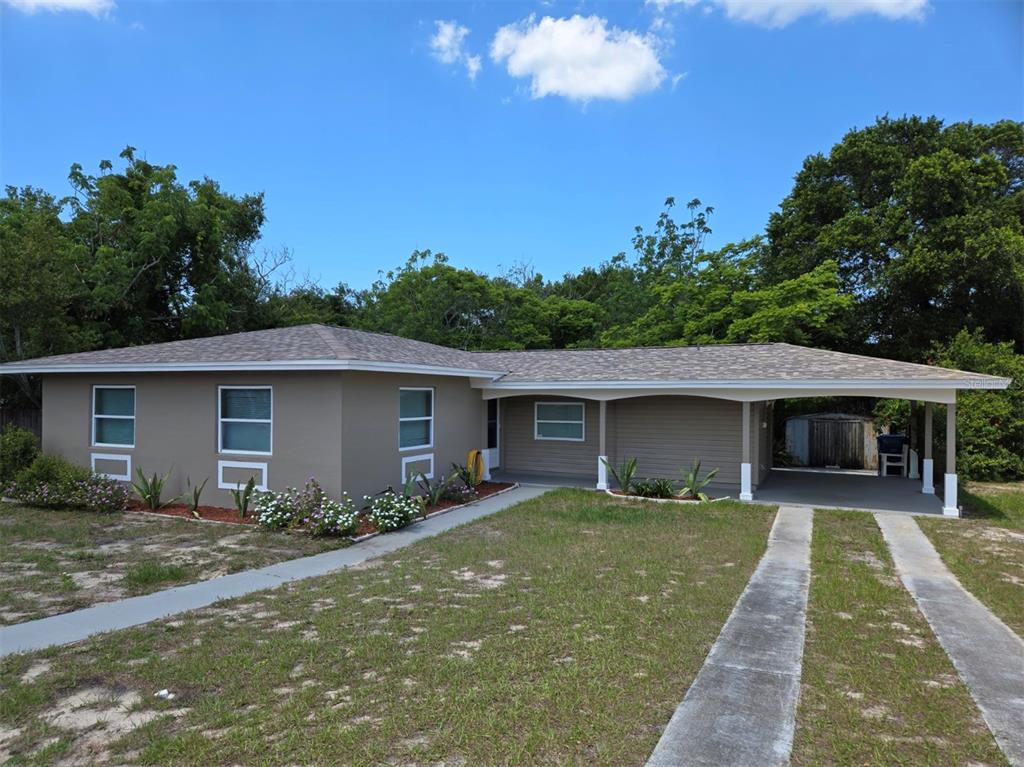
{"x": 415, "y": 418}
{"x": 245, "y": 419}
{"x": 559, "y": 421}
{"x": 113, "y": 416}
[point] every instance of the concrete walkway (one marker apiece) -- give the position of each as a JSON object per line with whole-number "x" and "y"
{"x": 741, "y": 708}
{"x": 986, "y": 653}
{"x": 111, "y": 616}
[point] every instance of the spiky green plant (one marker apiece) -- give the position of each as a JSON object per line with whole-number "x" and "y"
{"x": 624, "y": 475}
{"x": 694, "y": 484}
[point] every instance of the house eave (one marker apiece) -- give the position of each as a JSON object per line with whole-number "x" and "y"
{"x": 247, "y": 366}
{"x": 991, "y": 383}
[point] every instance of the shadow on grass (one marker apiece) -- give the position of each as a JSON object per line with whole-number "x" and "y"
{"x": 1005, "y": 509}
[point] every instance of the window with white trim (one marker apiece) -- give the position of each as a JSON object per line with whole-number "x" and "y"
{"x": 113, "y": 416}
{"x": 245, "y": 416}
{"x": 561, "y": 421}
{"x": 415, "y": 418}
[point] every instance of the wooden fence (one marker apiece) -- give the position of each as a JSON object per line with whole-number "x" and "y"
{"x": 26, "y": 418}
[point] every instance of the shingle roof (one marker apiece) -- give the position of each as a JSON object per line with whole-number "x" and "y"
{"x": 711, "y": 362}
{"x": 334, "y": 346}
{"x": 294, "y": 344}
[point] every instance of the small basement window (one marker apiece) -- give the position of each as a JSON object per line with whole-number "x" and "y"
{"x": 415, "y": 418}
{"x": 113, "y": 416}
{"x": 245, "y": 416}
{"x": 559, "y": 421}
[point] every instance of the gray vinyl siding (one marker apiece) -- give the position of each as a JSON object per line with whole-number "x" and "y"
{"x": 523, "y": 454}
{"x": 667, "y": 433}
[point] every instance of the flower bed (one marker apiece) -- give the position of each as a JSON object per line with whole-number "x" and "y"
{"x": 364, "y": 526}
{"x": 677, "y": 499}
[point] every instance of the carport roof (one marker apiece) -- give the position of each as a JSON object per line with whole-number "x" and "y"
{"x": 324, "y": 347}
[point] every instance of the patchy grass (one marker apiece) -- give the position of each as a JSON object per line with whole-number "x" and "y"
{"x": 877, "y": 687}
{"x": 146, "y": 576}
{"x": 55, "y": 561}
{"x": 563, "y": 631}
{"x": 986, "y": 550}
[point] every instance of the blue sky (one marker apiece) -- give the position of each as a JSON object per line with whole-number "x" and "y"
{"x": 497, "y": 133}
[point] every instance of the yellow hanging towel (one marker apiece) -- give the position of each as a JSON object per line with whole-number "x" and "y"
{"x": 475, "y": 463}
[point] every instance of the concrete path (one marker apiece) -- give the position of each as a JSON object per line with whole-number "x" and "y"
{"x": 741, "y": 708}
{"x": 986, "y": 653}
{"x": 110, "y": 616}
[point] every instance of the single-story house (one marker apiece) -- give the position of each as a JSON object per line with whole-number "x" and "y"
{"x": 360, "y": 411}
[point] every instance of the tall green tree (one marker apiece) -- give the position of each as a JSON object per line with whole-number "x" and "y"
{"x": 159, "y": 259}
{"x": 926, "y": 225}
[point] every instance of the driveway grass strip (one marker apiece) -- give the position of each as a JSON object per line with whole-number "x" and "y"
{"x": 877, "y": 687}
{"x": 52, "y": 561}
{"x": 986, "y": 550}
{"x": 561, "y": 631}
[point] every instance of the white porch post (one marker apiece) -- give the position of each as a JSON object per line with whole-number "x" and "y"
{"x": 949, "y": 507}
{"x": 602, "y": 450}
{"x": 928, "y": 465}
{"x": 746, "y": 487}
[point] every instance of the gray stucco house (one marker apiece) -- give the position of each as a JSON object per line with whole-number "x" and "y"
{"x": 360, "y": 411}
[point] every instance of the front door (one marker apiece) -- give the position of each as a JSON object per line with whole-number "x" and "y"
{"x": 493, "y": 435}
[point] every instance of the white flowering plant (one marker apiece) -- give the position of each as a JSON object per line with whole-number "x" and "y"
{"x": 391, "y": 511}
{"x": 333, "y": 517}
{"x": 275, "y": 511}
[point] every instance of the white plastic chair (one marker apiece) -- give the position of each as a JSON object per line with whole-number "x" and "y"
{"x": 887, "y": 460}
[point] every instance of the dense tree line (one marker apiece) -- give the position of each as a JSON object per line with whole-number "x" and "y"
{"x": 906, "y": 240}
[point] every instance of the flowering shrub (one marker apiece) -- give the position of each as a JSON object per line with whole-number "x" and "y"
{"x": 391, "y": 511}
{"x": 92, "y": 493}
{"x": 275, "y": 511}
{"x": 334, "y": 518}
{"x": 310, "y": 509}
{"x": 460, "y": 493}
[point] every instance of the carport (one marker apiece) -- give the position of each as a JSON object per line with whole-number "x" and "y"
{"x": 561, "y": 391}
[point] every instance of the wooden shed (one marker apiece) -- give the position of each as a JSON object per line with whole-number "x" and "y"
{"x": 832, "y": 440}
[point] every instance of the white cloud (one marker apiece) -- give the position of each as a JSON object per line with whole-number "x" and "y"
{"x": 779, "y": 13}
{"x": 448, "y": 46}
{"x": 578, "y": 58}
{"x": 95, "y": 7}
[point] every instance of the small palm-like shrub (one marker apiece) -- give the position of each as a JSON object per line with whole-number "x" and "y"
{"x": 150, "y": 489}
{"x": 694, "y": 484}
{"x": 654, "y": 488}
{"x": 195, "y": 492}
{"x": 624, "y": 475}
{"x": 391, "y": 511}
{"x": 242, "y": 496}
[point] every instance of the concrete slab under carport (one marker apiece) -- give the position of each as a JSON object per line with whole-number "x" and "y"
{"x": 846, "y": 490}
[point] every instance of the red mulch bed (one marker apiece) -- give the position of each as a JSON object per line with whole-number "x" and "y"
{"x": 220, "y": 514}
{"x": 215, "y": 513}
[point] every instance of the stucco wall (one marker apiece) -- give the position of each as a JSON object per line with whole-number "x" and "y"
{"x": 371, "y": 459}
{"x": 176, "y": 426}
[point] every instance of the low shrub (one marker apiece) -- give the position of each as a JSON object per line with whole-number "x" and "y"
{"x": 654, "y": 488}
{"x": 275, "y": 511}
{"x": 91, "y": 493}
{"x": 334, "y": 517}
{"x": 18, "y": 449}
{"x": 391, "y": 511}
{"x": 457, "y": 493}
{"x": 309, "y": 509}
{"x": 50, "y": 470}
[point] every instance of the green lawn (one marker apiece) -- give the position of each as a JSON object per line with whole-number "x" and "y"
{"x": 877, "y": 688}
{"x": 55, "y": 561}
{"x": 563, "y": 631}
{"x": 986, "y": 550}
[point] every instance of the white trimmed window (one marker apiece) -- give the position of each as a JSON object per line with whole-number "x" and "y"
{"x": 245, "y": 419}
{"x": 113, "y": 416}
{"x": 415, "y": 418}
{"x": 561, "y": 421}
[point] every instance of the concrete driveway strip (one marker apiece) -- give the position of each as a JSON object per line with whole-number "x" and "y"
{"x": 111, "y": 616}
{"x": 741, "y": 708}
{"x": 986, "y": 653}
